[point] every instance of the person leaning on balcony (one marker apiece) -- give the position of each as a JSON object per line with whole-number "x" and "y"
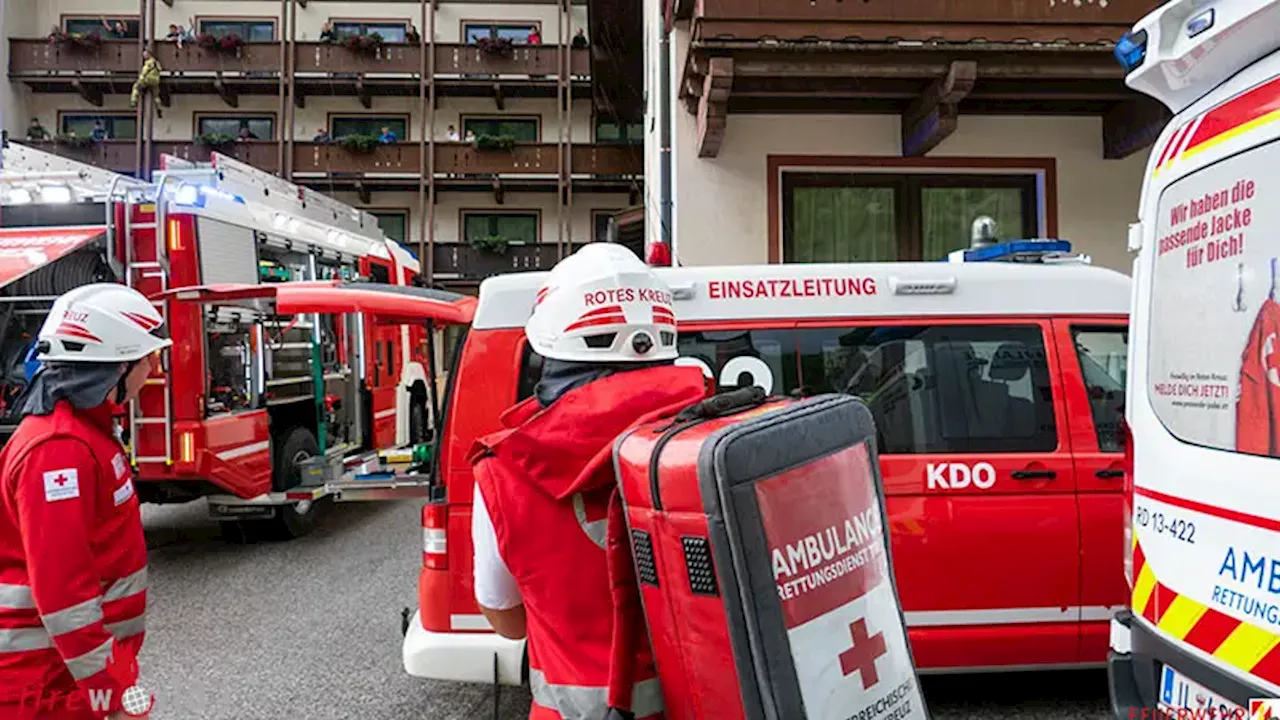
{"x": 326, "y": 32}
{"x": 36, "y": 131}
{"x": 148, "y": 79}
{"x": 535, "y": 37}
{"x": 387, "y": 137}
{"x": 117, "y": 29}
{"x": 411, "y": 35}
{"x": 580, "y": 39}
{"x": 99, "y": 131}
{"x": 321, "y": 136}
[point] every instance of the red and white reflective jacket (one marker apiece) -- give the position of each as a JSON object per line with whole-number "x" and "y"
{"x": 1258, "y": 411}
{"x": 73, "y": 567}
{"x": 547, "y": 484}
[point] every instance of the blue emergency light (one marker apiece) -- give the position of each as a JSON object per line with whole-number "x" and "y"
{"x": 1131, "y": 50}
{"x": 1017, "y": 250}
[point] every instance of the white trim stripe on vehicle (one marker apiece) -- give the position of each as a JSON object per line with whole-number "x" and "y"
{"x": 1009, "y": 616}
{"x": 469, "y": 622}
{"x": 243, "y": 450}
{"x": 381, "y": 414}
{"x": 930, "y": 618}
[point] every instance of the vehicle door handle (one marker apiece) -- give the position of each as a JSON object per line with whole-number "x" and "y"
{"x": 1031, "y": 474}
{"x": 1108, "y": 474}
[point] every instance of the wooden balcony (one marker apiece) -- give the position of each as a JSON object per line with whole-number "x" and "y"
{"x": 533, "y": 166}
{"x": 468, "y": 263}
{"x": 319, "y": 69}
{"x": 925, "y": 60}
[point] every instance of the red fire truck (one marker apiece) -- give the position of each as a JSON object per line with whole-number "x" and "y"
{"x": 269, "y": 416}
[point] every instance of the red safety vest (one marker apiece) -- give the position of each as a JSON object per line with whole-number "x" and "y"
{"x": 73, "y": 567}
{"x": 547, "y": 484}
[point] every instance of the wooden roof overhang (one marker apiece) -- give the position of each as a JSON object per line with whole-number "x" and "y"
{"x": 912, "y": 60}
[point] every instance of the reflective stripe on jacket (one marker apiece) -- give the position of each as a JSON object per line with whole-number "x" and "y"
{"x": 546, "y": 483}
{"x": 73, "y": 574}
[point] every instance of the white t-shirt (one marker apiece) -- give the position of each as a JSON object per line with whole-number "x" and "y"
{"x": 495, "y": 585}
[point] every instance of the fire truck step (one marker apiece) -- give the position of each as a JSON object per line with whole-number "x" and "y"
{"x": 142, "y": 226}
{"x": 145, "y": 265}
{"x": 150, "y": 421}
{"x": 152, "y": 458}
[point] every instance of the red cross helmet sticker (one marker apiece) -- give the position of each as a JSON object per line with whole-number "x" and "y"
{"x": 861, "y": 658}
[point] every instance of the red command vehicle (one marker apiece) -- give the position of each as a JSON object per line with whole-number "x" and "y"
{"x": 996, "y": 388}
{"x": 256, "y": 412}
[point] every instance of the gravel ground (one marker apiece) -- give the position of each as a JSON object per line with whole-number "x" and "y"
{"x": 310, "y": 630}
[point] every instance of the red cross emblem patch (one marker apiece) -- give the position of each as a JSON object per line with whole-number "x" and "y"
{"x": 61, "y": 484}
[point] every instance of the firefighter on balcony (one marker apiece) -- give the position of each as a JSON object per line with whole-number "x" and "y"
{"x": 148, "y": 79}
{"x": 604, "y": 328}
{"x": 73, "y": 562}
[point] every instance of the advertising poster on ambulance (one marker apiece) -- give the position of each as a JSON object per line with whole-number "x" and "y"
{"x": 1215, "y": 380}
{"x": 825, "y": 531}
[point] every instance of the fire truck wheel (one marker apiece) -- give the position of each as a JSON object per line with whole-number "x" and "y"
{"x": 294, "y": 446}
{"x": 297, "y": 519}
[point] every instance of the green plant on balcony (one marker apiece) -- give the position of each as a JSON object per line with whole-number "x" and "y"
{"x": 215, "y": 140}
{"x": 77, "y": 41}
{"x": 71, "y": 140}
{"x": 496, "y": 46}
{"x": 492, "y": 244}
{"x": 359, "y": 143}
{"x": 493, "y": 142}
{"x": 229, "y": 43}
{"x": 362, "y": 44}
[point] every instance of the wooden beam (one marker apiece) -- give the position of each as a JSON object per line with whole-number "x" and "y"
{"x": 713, "y": 106}
{"x": 302, "y": 3}
{"x": 1132, "y": 126}
{"x": 498, "y": 98}
{"x": 299, "y": 98}
{"x": 499, "y": 196}
{"x": 932, "y": 117}
{"x": 366, "y": 195}
{"x": 633, "y": 194}
{"x": 91, "y": 95}
{"x": 227, "y": 93}
{"x": 364, "y": 93}
{"x": 904, "y": 64}
{"x": 169, "y": 3}
{"x": 166, "y": 98}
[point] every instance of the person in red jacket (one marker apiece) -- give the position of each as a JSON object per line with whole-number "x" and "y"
{"x": 73, "y": 561}
{"x": 604, "y": 328}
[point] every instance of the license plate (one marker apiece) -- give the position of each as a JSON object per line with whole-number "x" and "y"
{"x": 1178, "y": 692}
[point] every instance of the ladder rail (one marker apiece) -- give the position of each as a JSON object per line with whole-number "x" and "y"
{"x": 160, "y": 267}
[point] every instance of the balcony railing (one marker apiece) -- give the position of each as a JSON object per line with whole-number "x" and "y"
{"x": 122, "y": 57}
{"x": 880, "y": 20}
{"x": 472, "y": 264}
{"x": 400, "y": 159}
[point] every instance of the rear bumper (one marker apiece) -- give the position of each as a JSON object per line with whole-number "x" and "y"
{"x": 462, "y": 657}
{"x": 1137, "y": 657}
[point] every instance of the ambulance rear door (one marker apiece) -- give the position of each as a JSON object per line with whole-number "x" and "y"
{"x": 980, "y": 488}
{"x": 1093, "y": 353}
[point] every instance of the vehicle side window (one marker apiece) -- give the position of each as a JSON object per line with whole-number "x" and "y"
{"x": 740, "y": 358}
{"x": 1103, "y": 353}
{"x": 940, "y": 389}
{"x": 530, "y": 373}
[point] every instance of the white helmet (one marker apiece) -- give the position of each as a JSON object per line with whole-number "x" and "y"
{"x": 602, "y": 304}
{"x": 103, "y": 322}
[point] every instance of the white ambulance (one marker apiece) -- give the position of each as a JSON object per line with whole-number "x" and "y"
{"x": 1202, "y": 637}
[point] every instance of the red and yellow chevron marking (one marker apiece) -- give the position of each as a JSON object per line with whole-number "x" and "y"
{"x": 1263, "y": 709}
{"x": 1246, "y": 112}
{"x": 1233, "y": 641}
